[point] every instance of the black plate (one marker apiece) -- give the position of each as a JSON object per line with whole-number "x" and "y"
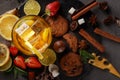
{"x": 65, "y": 6}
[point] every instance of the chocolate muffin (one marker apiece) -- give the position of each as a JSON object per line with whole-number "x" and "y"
{"x": 58, "y": 24}
{"x": 71, "y": 64}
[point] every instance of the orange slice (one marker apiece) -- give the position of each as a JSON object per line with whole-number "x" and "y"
{"x": 7, "y": 22}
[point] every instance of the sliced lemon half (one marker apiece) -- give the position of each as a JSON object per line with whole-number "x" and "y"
{"x": 7, "y": 22}
{"x": 4, "y": 54}
{"x": 7, "y": 65}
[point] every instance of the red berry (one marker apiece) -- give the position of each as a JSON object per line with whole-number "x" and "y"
{"x": 13, "y": 50}
{"x": 20, "y": 62}
{"x": 32, "y": 62}
{"x": 31, "y": 75}
{"x": 52, "y": 8}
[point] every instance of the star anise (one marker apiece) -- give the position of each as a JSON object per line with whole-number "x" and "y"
{"x": 82, "y": 44}
{"x": 93, "y": 20}
{"x": 109, "y": 20}
{"x": 103, "y": 6}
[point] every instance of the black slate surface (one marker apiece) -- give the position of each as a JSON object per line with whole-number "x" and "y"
{"x": 112, "y": 48}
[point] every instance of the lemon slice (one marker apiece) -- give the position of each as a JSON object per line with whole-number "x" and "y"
{"x": 7, "y": 22}
{"x": 49, "y": 57}
{"x": 32, "y": 7}
{"x": 4, "y": 54}
{"x": 6, "y": 66}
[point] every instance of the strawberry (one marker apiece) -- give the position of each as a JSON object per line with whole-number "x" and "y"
{"x": 13, "y": 50}
{"x": 31, "y": 75}
{"x": 52, "y": 8}
{"x": 32, "y": 62}
{"x": 20, "y": 62}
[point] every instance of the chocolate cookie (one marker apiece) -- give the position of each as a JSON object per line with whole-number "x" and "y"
{"x": 58, "y": 24}
{"x": 71, "y": 64}
{"x": 72, "y": 41}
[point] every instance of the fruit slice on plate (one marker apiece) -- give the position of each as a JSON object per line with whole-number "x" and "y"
{"x": 7, "y": 65}
{"x": 32, "y": 7}
{"x": 4, "y": 54}
{"x": 7, "y": 22}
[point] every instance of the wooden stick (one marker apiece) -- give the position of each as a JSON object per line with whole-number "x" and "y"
{"x": 84, "y": 10}
{"x": 106, "y": 35}
{"x": 90, "y": 39}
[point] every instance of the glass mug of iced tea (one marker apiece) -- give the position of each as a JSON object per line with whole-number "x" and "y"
{"x": 32, "y": 35}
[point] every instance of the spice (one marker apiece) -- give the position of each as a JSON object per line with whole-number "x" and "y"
{"x": 82, "y": 44}
{"x": 73, "y": 25}
{"x": 103, "y": 6}
{"x": 93, "y": 20}
{"x": 109, "y": 20}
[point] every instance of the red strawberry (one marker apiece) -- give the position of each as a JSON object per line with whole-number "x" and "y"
{"x": 13, "y": 50}
{"x": 20, "y": 62}
{"x": 32, "y": 62}
{"x": 52, "y": 8}
{"x": 31, "y": 75}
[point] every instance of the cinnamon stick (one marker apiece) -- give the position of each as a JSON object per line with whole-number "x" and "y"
{"x": 90, "y": 39}
{"x": 84, "y": 10}
{"x": 106, "y": 35}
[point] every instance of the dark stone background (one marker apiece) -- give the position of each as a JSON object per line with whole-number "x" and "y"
{"x": 112, "y": 48}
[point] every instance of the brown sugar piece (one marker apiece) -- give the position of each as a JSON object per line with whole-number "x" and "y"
{"x": 107, "y": 35}
{"x": 72, "y": 41}
{"x": 58, "y": 24}
{"x": 90, "y": 39}
{"x": 71, "y": 64}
